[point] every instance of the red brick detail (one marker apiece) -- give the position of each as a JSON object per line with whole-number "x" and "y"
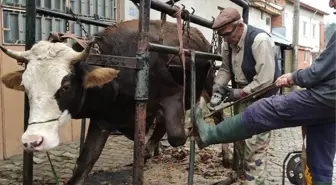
{"x": 301, "y": 62}
{"x": 276, "y": 21}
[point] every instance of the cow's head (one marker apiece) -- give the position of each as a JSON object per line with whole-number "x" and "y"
{"x": 48, "y": 65}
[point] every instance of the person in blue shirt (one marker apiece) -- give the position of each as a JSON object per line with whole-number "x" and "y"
{"x": 313, "y": 107}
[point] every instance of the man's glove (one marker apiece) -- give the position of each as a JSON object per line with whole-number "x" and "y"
{"x": 218, "y": 94}
{"x": 235, "y": 94}
{"x": 216, "y": 99}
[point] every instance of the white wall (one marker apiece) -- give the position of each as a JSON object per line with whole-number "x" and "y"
{"x": 307, "y": 39}
{"x": 204, "y": 8}
{"x": 258, "y": 19}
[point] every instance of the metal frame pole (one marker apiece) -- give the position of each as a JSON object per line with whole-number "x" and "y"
{"x": 193, "y": 117}
{"x": 70, "y": 17}
{"x": 175, "y": 50}
{"x": 82, "y": 135}
{"x": 141, "y": 91}
{"x": 30, "y": 41}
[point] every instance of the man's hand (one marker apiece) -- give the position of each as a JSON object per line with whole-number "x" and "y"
{"x": 216, "y": 99}
{"x": 219, "y": 93}
{"x": 285, "y": 80}
{"x": 235, "y": 94}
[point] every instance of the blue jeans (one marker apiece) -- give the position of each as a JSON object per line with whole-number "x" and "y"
{"x": 299, "y": 108}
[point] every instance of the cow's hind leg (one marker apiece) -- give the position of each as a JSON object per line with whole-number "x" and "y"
{"x": 92, "y": 148}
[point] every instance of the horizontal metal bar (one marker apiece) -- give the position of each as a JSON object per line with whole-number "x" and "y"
{"x": 171, "y": 10}
{"x": 70, "y": 17}
{"x": 241, "y": 3}
{"x": 113, "y": 61}
{"x": 176, "y": 50}
{"x": 179, "y": 66}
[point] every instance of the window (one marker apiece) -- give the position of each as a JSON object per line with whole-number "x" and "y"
{"x": 38, "y": 3}
{"x": 47, "y": 4}
{"x": 58, "y": 5}
{"x": 314, "y": 28}
{"x": 38, "y": 27}
{"x": 13, "y": 21}
{"x": 268, "y": 21}
{"x": 262, "y": 15}
{"x": 304, "y": 28}
{"x": 15, "y": 3}
{"x": 11, "y": 27}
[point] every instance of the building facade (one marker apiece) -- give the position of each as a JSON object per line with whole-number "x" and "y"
{"x": 311, "y": 29}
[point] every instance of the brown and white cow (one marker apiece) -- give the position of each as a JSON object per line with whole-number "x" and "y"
{"x": 61, "y": 86}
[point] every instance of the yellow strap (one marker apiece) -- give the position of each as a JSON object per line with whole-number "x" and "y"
{"x": 307, "y": 180}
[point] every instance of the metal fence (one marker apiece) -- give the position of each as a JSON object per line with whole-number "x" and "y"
{"x": 143, "y": 56}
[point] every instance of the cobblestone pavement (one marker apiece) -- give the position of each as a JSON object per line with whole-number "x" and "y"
{"x": 284, "y": 141}
{"x": 118, "y": 152}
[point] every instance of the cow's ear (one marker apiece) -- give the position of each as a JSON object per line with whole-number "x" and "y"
{"x": 99, "y": 76}
{"x": 13, "y": 80}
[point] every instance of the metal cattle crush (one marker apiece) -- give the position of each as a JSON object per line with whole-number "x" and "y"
{"x": 142, "y": 57}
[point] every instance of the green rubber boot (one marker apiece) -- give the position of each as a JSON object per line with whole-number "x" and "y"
{"x": 230, "y": 130}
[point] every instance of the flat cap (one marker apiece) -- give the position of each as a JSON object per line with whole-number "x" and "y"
{"x": 226, "y": 16}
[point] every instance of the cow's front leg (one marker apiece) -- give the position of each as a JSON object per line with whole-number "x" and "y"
{"x": 174, "y": 119}
{"x": 92, "y": 148}
{"x": 155, "y": 138}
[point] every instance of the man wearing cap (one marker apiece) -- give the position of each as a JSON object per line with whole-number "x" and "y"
{"x": 249, "y": 62}
{"x": 314, "y": 107}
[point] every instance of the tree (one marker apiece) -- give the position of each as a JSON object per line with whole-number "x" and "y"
{"x": 328, "y": 31}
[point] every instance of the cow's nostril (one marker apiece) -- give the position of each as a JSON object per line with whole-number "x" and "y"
{"x": 25, "y": 144}
{"x": 36, "y": 143}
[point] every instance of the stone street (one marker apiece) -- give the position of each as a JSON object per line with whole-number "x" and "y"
{"x": 118, "y": 152}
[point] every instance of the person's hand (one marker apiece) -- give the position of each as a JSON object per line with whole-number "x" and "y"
{"x": 216, "y": 99}
{"x": 286, "y": 80}
{"x": 235, "y": 94}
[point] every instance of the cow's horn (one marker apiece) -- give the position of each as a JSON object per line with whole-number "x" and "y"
{"x": 18, "y": 55}
{"x": 84, "y": 54}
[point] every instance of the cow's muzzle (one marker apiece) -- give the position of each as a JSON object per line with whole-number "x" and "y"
{"x": 32, "y": 142}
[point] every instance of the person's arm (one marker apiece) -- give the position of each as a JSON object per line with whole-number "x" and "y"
{"x": 263, "y": 53}
{"x": 223, "y": 75}
{"x": 323, "y": 67}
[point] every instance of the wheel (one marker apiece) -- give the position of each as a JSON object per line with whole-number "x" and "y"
{"x": 294, "y": 170}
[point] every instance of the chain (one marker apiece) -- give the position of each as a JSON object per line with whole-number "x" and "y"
{"x": 67, "y": 25}
{"x": 214, "y": 42}
{"x": 186, "y": 23}
{"x": 94, "y": 47}
{"x": 79, "y": 22}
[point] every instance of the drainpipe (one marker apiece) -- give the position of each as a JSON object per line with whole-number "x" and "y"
{"x": 296, "y": 28}
{"x": 310, "y": 28}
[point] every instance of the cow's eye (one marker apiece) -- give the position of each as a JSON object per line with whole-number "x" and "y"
{"x": 65, "y": 87}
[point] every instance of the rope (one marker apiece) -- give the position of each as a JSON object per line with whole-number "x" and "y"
{"x": 53, "y": 170}
{"x": 178, "y": 17}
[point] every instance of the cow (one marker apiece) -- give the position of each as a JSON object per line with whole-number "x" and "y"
{"x": 60, "y": 86}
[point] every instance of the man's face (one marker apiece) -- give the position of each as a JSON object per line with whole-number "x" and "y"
{"x": 332, "y": 4}
{"x": 229, "y": 33}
